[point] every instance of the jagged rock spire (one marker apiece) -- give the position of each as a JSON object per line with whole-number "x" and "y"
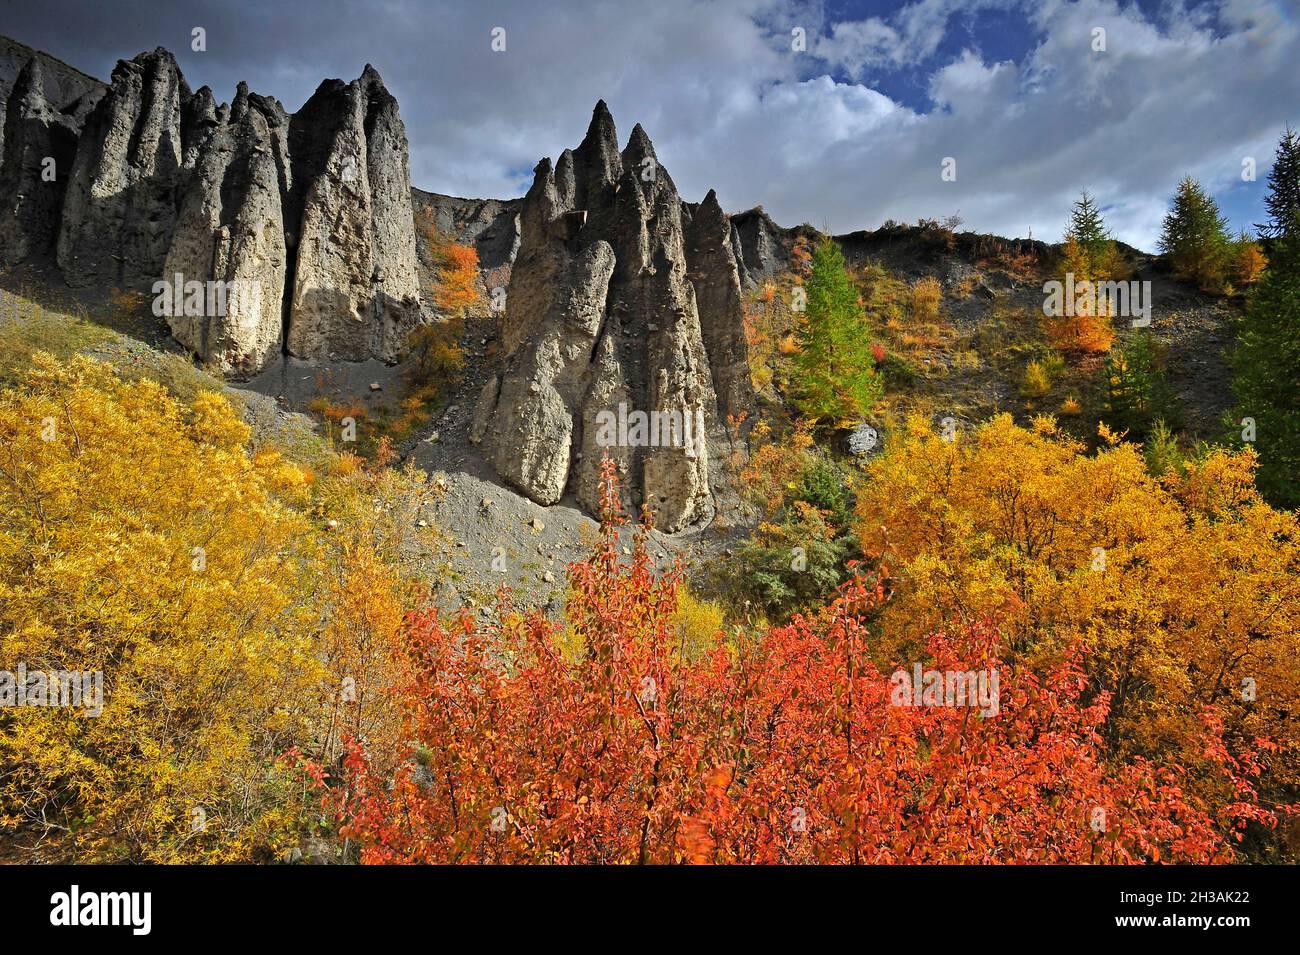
{"x": 602, "y": 324}
{"x": 121, "y": 205}
{"x": 313, "y": 210}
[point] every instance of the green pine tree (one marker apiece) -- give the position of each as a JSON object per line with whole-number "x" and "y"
{"x": 1087, "y": 226}
{"x": 1135, "y": 389}
{"x": 836, "y": 380}
{"x": 1097, "y": 258}
{"x": 1283, "y": 199}
{"x": 1267, "y": 372}
{"x": 1196, "y": 238}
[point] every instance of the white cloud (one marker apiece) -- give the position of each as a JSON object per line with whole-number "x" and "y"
{"x": 729, "y": 105}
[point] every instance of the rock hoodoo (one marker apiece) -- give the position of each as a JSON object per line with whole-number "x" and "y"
{"x": 231, "y": 230}
{"x": 120, "y": 206}
{"x": 355, "y": 288}
{"x": 38, "y": 143}
{"x": 293, "y": 234}
{"x": 617, "y": 337}
{"x": 302, "y": 222}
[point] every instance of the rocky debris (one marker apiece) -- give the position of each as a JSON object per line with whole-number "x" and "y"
{"x": 120, "y": 206}
{"x": 230, "y": 230}
{"x": 602, "y": 323}
{"x": 36, "y": 135}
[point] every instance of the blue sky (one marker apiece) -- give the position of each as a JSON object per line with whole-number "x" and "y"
{"x": 846, "y": 133}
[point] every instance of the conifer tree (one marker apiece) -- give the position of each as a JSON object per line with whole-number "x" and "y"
{"x": 1283, "y": 199}
{"x": 836, "y": 379}
{"x": 1196, "y": 238}
{"x": 1135, "y": 389}
{"x": 1267, "y": 366}
{"x": 1089, "y": 230}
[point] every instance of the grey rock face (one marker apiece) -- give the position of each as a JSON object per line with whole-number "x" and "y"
{"x": 198, "y": 121}
{"x": 306, "y": 218}
{"x": 490, "y": 225}
{"x": 121, "y": 206}
{"x": 355, "y": 288}
{"x": 39, "y": 146}
{"x": 65, "y": 88}
{"x": 714, "y": 272}
{"x": 601, "y": 326}
{"x": 760, "y": 246}
{"x": 230, "y": 231}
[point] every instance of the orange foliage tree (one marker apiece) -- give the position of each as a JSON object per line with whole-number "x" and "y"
{"x": 437, "y": 357}
{"x": 788, "y": 746}
{"x": 457, "y": 288}
{"x": 1184, "y": 588}
{"x": 1086, "y": 325}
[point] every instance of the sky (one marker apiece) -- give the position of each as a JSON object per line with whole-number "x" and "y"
{"x": 840, "y": 113}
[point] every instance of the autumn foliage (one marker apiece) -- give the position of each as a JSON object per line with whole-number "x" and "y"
{"x": 1086, "y": 325}
{"x": 237, "y": 603}
{"x": 784, "y": 746}
{"x": 457, "y": 287}
{"x": 1183, "y": 589}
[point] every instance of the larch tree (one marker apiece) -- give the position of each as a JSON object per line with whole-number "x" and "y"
{"x": 835, "y": 369}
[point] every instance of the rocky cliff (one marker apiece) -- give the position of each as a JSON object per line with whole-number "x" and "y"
{"x": 294, "y": 234}
{"x": 39, "y": 141}
{"x": 620, "y": 337}
{"x": 120, "y": 207}
{"x": 296, "y": 229}
{"x": 65, "y": 89}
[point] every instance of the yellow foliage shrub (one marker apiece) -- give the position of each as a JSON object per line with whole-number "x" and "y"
{"x": 698, "y": 623}
{"x": 140, "y": 540}
{"x": 1185, "y": 588}
{"x": 926, "y": 295}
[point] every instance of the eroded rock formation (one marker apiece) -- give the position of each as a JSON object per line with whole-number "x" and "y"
{"x": 714, "y": 264}
{"x": 356, "y": 289}
{"x": 38, "y": 147}
{"x": 302, "y": 222}
{"x": 120, "y": 206}
{"x": 231, "y": 230}
{"x": 603, "y": 323}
